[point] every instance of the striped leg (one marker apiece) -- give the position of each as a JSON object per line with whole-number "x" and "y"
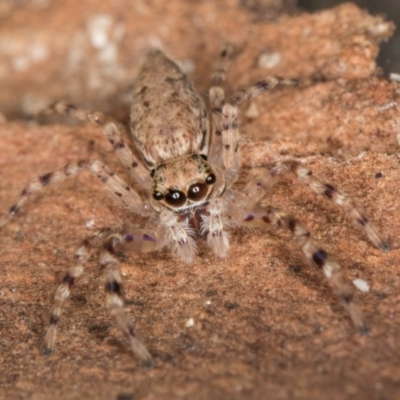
{"x": 63, "y": 292}
{"x": 114, "y": 298}
{"x": 230, "y": 123}
{"x": 304, "y": 175}
{"x": 217, "y": 98}
{"x": 318, "y": 256}
{"x": 343, "y": 200}
{"x": 122, "y": 192}
{"x": 213, "y": 226}
{"x": 113, "y": 134}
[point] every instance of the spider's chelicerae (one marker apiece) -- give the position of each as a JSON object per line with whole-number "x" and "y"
{"x": 188, "y": 167}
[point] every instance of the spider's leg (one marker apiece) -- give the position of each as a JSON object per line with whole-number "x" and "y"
{"x": 63, "y": 292}
{"x": 259, "y": 216}
{"x": 213, "y": 227}
{"x": 305, "y": 176}
{"x": 113, "y": 134}
{"x": 257, "y": 186}
{"x": 217, "y": 98}
{"x": 230, "y": 123}
{"x": 178, "y": 236}
{"x": 118, "y": 188}
{"x": 114, "y": 296}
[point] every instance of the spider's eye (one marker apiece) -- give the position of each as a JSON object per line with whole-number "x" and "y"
{"x": 158, "y": 196}
{"x": 211, "y": 179}
{"x": 197, "y": 191}
{"x": 175, "y": 198}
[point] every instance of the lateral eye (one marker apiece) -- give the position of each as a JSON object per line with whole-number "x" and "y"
{"x": 175, "y": 198}
{"x": 197, "y": 191}
{"x": 158, "y": 196}
{"x": 211, "y": 179}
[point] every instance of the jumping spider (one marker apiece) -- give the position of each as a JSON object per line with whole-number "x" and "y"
{"x": 188, "y": 168}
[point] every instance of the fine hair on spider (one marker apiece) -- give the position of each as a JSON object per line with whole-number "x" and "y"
{"x": 189, "y": 163}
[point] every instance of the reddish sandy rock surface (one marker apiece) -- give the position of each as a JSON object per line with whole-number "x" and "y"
{"x": 265, "y": 323}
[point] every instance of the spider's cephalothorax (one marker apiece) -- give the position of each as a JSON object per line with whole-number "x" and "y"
{"x": 188, "y": 172}
{"x": 185, "y": 182}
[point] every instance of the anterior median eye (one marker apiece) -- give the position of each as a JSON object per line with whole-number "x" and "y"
{"x": 197, "y": 191}
{"x": 175, "y": 198}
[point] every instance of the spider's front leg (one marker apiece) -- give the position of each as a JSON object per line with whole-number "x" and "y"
{"x": 230, "y": 123}
{"x": 109, "y": 242}
{"x": 114, "y": 295}
{"x": 258, "y": 216}
{"x": 122, "y": 192}
{"x": 213, "y": 226}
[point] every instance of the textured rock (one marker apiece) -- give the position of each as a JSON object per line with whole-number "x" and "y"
{"x": 263, "y": 322}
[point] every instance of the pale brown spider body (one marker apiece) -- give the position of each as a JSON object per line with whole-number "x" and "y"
{"x": 188, "y": 169}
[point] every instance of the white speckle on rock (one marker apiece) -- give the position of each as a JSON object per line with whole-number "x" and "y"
{"x": 269, "y": 60}
{"x": 99, "y": 29}
{"x": 189, "y": 323}
{"x": 360, "y": 284}
{"x": 20, "y": 63}
{"x": 38, "y": 52}
{"x": 394, "y": 77}
{"x": 90, "y": 223}
{"x": 108, "y": 54}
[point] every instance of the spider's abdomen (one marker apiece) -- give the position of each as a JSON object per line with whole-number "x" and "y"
{"x": 168, "y": 117}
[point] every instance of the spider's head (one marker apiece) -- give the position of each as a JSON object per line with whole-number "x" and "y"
{"x": 184, "y": 182}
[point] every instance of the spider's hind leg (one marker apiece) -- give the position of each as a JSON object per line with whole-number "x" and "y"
{"x": 112, "y": 133}
{"x": 260, "y": 216}
{"x": 258, "y": 186}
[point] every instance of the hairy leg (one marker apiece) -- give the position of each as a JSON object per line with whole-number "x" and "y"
{"x": 259, "y": 216}
{"x": 113, "y": 134}
{"x": 122, "y": 192}
{"x": 259, "y": 185}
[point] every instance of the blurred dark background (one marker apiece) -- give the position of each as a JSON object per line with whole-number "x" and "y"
{"x": 389, "y": 56}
